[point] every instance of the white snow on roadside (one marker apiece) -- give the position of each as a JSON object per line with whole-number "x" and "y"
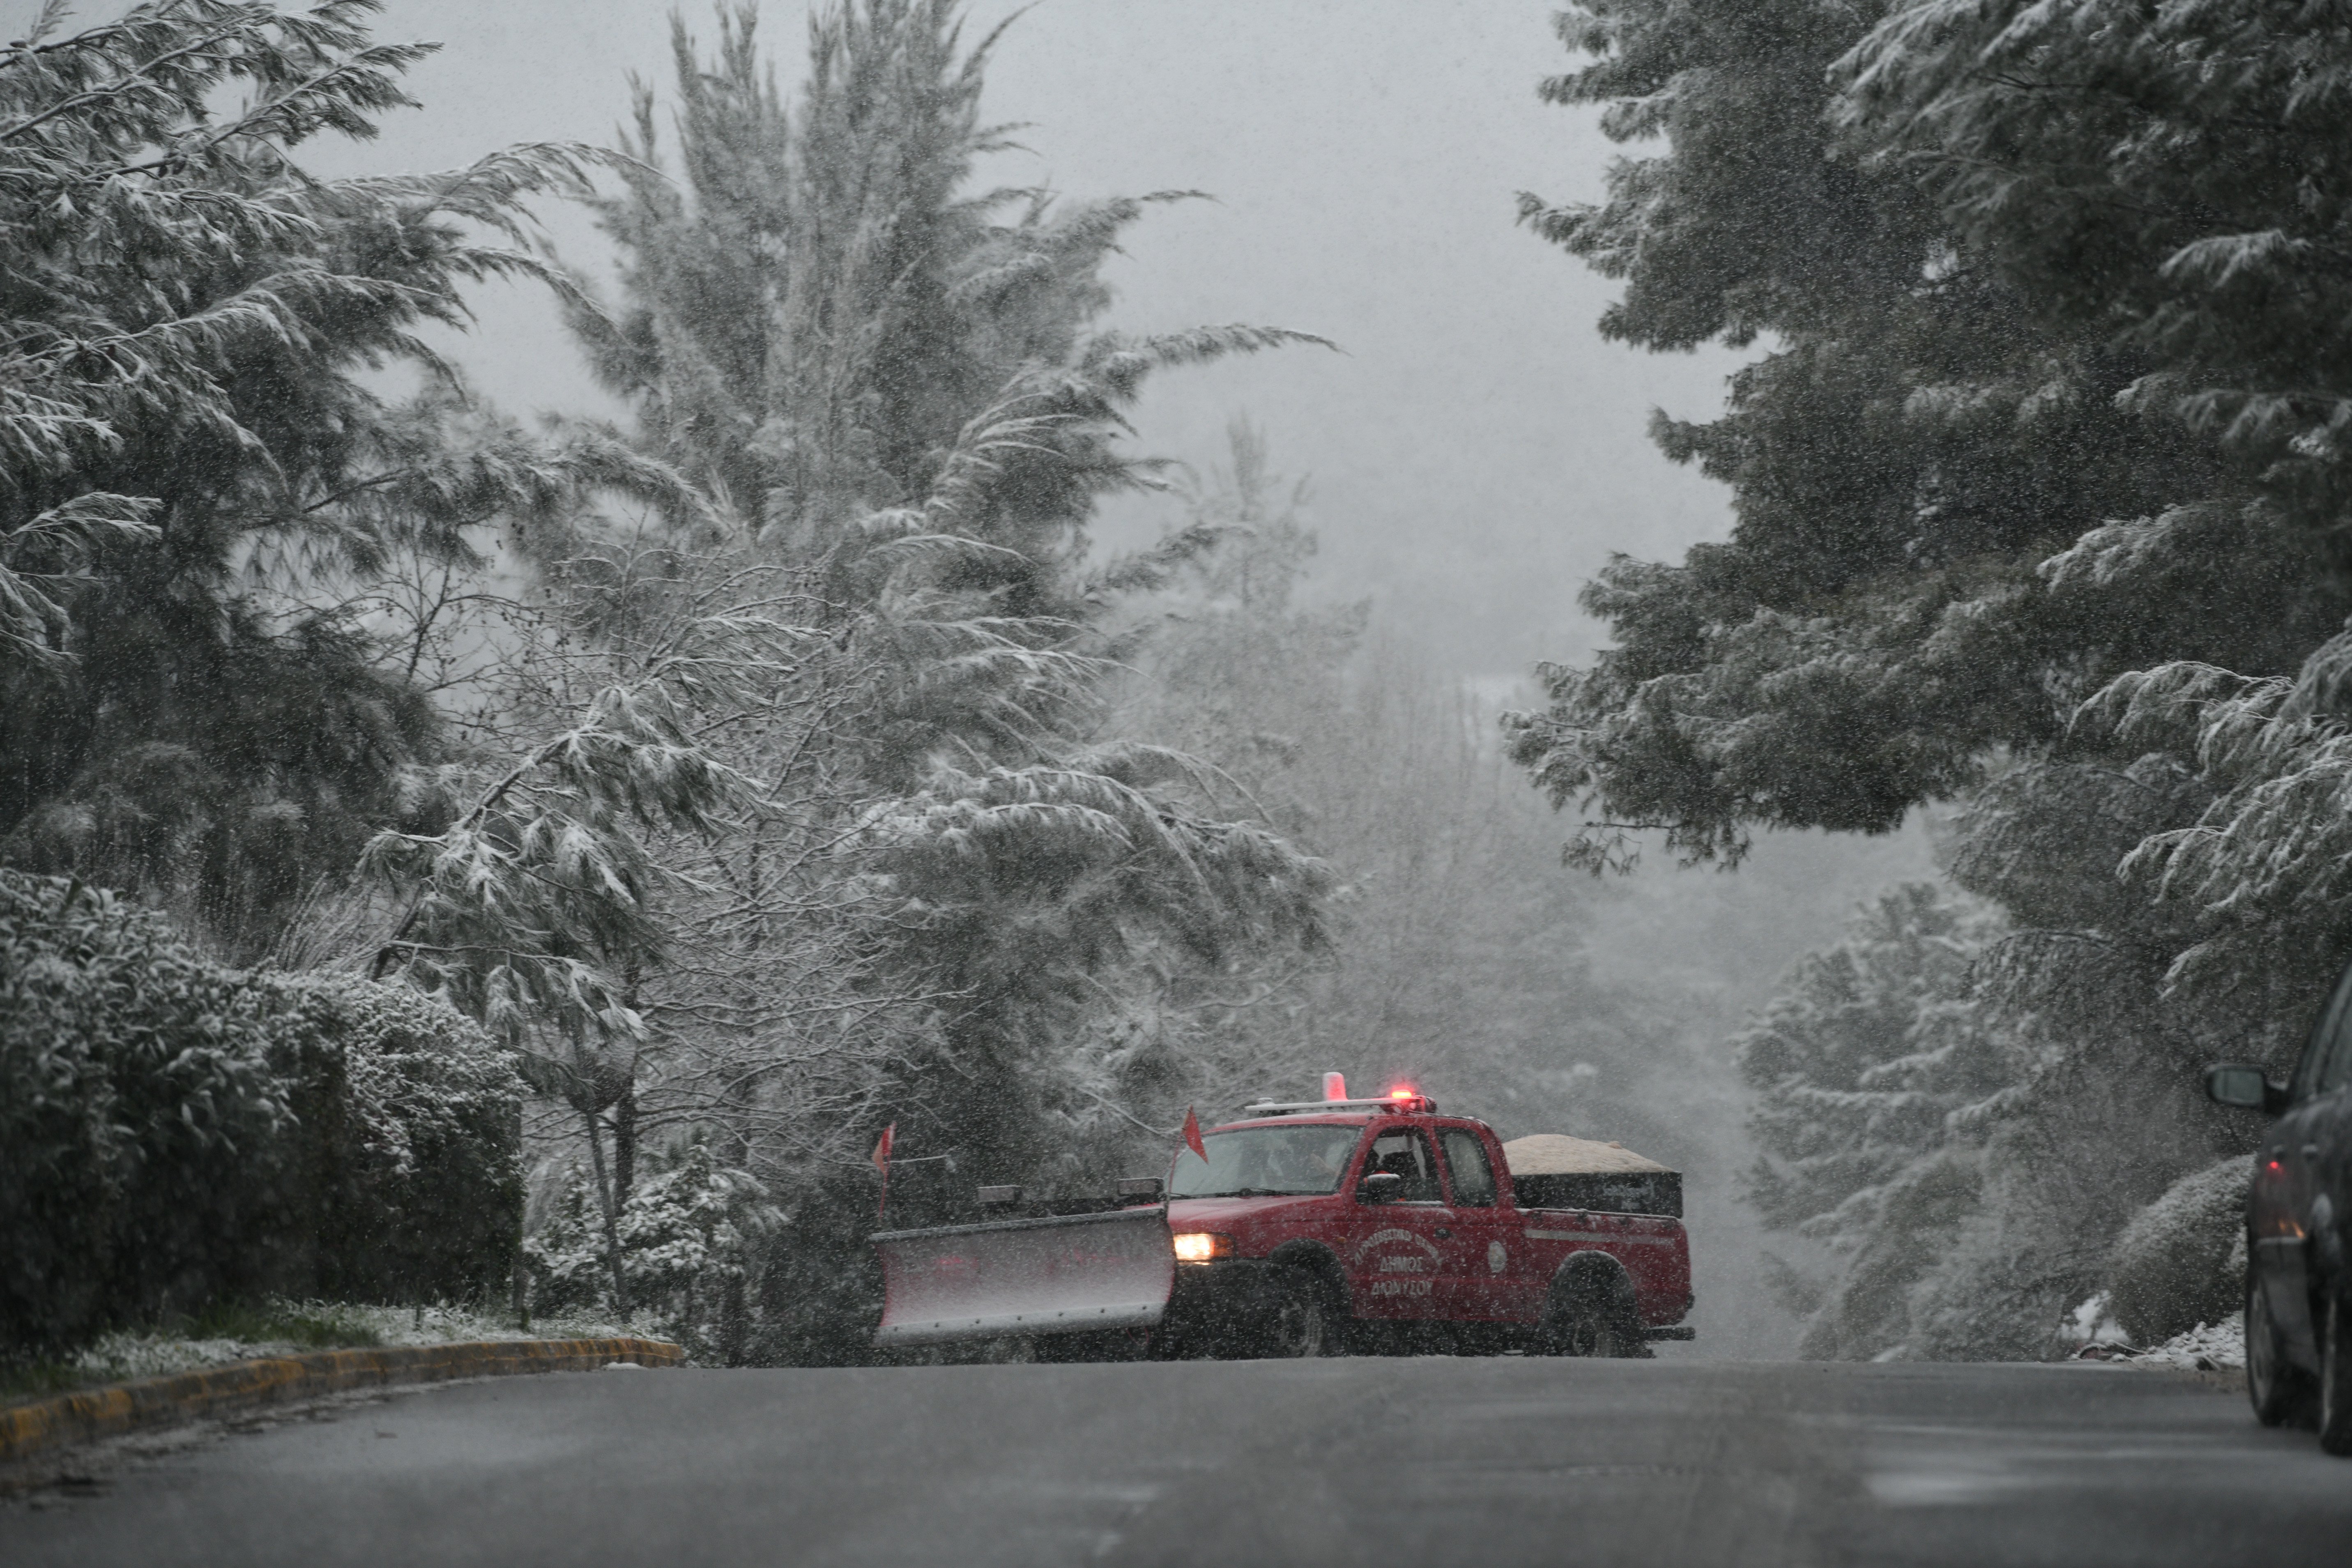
{"x": 121, "y": 1357}
{"x": 2093, "y": 1334}
{"x": 118, "y": 1358}
{"x": 2205, "y": 1347}
{"x": 2092, "y": 1324}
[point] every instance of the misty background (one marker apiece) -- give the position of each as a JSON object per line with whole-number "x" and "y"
{"x": 994, "y": 595}
{"x": 1475, "y": 451}
{"x": 1469, "y": 453}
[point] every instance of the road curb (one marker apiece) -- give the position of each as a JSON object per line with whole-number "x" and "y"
{"x": 27, "y": 1428}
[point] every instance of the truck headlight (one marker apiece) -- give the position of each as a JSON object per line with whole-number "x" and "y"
{"x": 1202, "y": 1246}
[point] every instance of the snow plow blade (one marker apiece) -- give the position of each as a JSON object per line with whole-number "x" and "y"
{"x": 1056, "y": 1276}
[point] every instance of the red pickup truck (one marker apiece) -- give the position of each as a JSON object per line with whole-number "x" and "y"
{"x": 1310, "y": 1229}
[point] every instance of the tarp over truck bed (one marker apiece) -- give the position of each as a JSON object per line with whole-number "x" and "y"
{"x": 1551, "y": 1171}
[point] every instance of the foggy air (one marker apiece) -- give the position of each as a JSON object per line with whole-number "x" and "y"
{"x": 1160, "y": 780}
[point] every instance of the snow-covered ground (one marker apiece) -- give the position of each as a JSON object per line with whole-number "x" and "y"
{"x": 2207, "y": 1347}
{"x": 120, "y": 1357}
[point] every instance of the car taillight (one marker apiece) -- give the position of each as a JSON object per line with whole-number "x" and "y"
{"x": 1202, "y": 1246}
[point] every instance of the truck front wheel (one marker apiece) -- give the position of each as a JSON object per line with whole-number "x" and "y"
{"x": 1301, "y": 1321}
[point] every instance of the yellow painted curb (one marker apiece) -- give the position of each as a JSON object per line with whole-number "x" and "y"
{"x": 29, "y": 1428}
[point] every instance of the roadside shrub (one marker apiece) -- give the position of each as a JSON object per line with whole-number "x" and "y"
{"x": 174, "y": 1134}
{"x": 407, "y": 1146}
{"x": 687, "y": 1229}
{"x": 137, "y": 1107}
{"x": 817, "y": 1294}
{"x": 2182, "y": 1260}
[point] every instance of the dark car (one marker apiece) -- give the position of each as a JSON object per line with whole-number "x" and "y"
{"x": 2299, "y": 1214}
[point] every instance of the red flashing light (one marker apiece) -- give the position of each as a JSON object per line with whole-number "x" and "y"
{"x": 1402, "y": 1094}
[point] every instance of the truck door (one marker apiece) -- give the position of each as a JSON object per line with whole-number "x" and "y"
{"x": 1399, "y": 1252}
{"x": 1487, "y": 1279}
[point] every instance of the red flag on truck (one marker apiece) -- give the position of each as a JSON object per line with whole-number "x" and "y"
{"x": 1192, "y": 1134}
{"x": 882, "y": 1163}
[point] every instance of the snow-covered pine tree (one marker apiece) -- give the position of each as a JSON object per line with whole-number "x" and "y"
{"x": 895, "y": 396}
{"x": 1455, "y": 957}
{"x": 195, "y": 477}
{"x": 1871, "y": 1067}
{"x": 2037, "y": 492}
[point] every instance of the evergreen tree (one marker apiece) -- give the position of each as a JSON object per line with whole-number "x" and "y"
{"x": 919, "y": 867}
{"x": 1454, "y": 959}
{"x": 2034, "y": 496}
{"x": 1874, "y": 1068}
{"x": 195, "y": 472}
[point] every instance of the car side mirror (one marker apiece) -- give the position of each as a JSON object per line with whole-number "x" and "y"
{"x": 2244, "y": 1087}
{"x": 1381, "y": 1187}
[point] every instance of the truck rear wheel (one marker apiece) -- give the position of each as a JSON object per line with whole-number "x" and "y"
{"x": 1592, "y": 1315}
{"x": 1301, "y": 1323}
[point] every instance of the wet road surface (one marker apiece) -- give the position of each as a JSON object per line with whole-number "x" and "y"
{"x": 1372, "y": 1461}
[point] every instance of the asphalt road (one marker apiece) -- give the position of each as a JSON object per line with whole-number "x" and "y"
{"x": 1363, "y": 1462}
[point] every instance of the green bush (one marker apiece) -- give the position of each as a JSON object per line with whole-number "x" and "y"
{"x": 689, "y": 1233}
{"x": 174, "y": 1134}
{"x": 136, "y": 1108}
{"x": 407, "y": 1144}
{"x": 2181, "y": 1261}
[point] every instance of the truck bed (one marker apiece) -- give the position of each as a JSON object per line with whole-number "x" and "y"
{"x": 1602, "y": 1192}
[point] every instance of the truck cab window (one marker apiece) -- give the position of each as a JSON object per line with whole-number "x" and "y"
{"x": 1406, "y": 1154}
{"x": 1465, "y": 1164}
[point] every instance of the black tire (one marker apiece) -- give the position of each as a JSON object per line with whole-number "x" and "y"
{"x": 2280, "y": 1392}
{"x": 1301, "y": 1321}
{"x": 2335, "y": 1377}
{"x": 1592, "y": 1316}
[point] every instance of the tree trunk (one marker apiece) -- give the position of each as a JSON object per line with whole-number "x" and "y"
{"x": 625, "y": 1109}
{"x": 732, "y": 1318}
{"x": 624, "y": 1141}
{"x": 612, "y": 1217}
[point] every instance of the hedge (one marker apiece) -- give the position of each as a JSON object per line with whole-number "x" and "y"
{"x": 174, "y": 1132}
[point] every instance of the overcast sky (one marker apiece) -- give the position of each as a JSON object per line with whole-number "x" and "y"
{"x": 1476, "y": 451}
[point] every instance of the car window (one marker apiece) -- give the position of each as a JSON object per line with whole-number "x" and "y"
{"x": 1406, "y": 1153}
{"x": 2327, "y": 1060}
{"x": 1467, "y": 1167}
{"x": 2335, "y": 1065}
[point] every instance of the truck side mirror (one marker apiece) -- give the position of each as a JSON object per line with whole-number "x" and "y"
{"x": 2244, "y": 1087}
{"x": 1381, "y": 1187}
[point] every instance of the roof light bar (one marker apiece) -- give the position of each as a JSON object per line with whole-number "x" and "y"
{"x": 1398, "y": 1104}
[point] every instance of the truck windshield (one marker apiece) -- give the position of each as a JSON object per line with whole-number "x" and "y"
{"x": 1265, "y": 1161}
